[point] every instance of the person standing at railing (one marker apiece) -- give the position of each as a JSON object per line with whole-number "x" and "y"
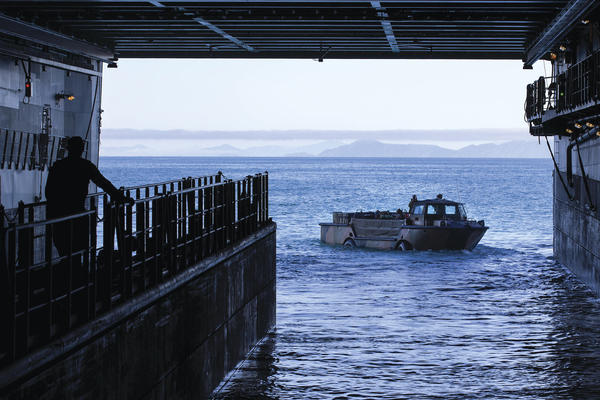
{"x": 66, "y": 191}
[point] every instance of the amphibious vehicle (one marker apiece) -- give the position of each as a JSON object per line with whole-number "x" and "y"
{"x": 433, "y": 224}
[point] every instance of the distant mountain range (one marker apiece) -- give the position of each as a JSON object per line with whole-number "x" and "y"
{"x": 417, "y": 143}
{"x": 374, "y": 148}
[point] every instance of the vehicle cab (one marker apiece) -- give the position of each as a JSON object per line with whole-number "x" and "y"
{"x": 433, "y": 211}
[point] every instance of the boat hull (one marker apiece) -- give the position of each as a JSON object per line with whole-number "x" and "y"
{"x": 408, "y": 237}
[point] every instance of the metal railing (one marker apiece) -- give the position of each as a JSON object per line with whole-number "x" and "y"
{"x": 60, "y": 273}
{"x": 576, "y": 88}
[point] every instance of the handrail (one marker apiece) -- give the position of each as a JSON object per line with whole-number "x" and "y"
{"x": 62, "y": 272}
{"x": 93, "y": 196}
{"x": 45, "y": 222}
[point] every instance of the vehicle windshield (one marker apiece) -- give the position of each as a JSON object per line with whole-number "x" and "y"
{"x": 450, "y": 211}
{"x": 435, "y": 209}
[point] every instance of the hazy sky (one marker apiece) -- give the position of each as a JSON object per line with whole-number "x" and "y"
{"x": 305, "y": 94}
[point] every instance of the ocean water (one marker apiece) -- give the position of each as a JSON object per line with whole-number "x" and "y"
{"x": 501, "y": 322}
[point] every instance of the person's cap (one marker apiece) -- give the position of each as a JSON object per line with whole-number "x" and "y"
{"x": 75, "y": 144}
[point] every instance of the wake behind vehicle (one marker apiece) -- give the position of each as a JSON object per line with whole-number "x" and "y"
{"x": 433, "y": 224}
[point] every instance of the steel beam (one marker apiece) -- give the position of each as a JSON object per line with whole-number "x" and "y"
{"x": 14, "y": 27}
{"x": 444, "y": 3}
{"x": 386, "y": 25}
{"x": 212, "y": 27}
{"x": 221, "y": 32}
{"x": 573, "y": 12}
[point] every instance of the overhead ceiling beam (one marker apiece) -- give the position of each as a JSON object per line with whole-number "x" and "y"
{"x": 386, "y": 25}
{"x": 212, "y": 27}
{"x": 435, "y": 3}
{"x": 23, "y": 30}
{"x": 221, "y": 32}
{"x": 573, "y": 12}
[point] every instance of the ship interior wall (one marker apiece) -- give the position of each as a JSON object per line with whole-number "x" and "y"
{"x": 31, "y": 126}
{"x": 577, "y": 220}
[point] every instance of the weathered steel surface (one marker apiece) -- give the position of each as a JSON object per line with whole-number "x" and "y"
{"x": 577, "y": 228}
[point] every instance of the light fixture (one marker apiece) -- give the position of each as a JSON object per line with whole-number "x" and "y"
{"x": 28, "y": 88}
{"x": 65, "y": 96}
{"x": 578, "y": 125}
{"x": 553, "y": 56}
{"x": 562, "y": 47}
{"x": 569, "y": 131}
{"x": 585, "y": 21}
{"x": 589, "y": 124}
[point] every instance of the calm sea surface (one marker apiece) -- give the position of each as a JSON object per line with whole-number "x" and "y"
{"x": 501, "y": 322}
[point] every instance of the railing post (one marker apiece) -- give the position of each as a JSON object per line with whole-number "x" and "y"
{"x": 92, "y": 276}
{"x": 157, "y": 240}
{"x": 172, "y": 227}
{"x": 7, "y": 282}
{"x": 230, "y": 210}
{"x": 238, "y": 222}
{"x": 201, "y": 223}
{"x": 108, "y": 244}
{"x": 119, "y": 226}
{"x": 48, "y": 261}
{"x": 179, "y": 199}
{"x": 12, "y": 292}
{"x": 266, "y": 196}
{"x": 140, "y": 235}
{"x": 208, "y": 204}
{"x": 128, "y": 241}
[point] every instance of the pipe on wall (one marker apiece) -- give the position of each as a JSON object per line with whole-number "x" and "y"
{"x": 593, "y": 134}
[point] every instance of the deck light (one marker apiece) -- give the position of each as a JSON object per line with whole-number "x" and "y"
{"x": 585, "y": 21}
{"x": 578, "y": 125}
{"x": 589, "y": 124}
{"x": 569, "y": 131}
{"x": 562, "y": 47}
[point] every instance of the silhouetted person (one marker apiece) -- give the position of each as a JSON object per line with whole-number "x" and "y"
{"x": 66, "y": 190}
